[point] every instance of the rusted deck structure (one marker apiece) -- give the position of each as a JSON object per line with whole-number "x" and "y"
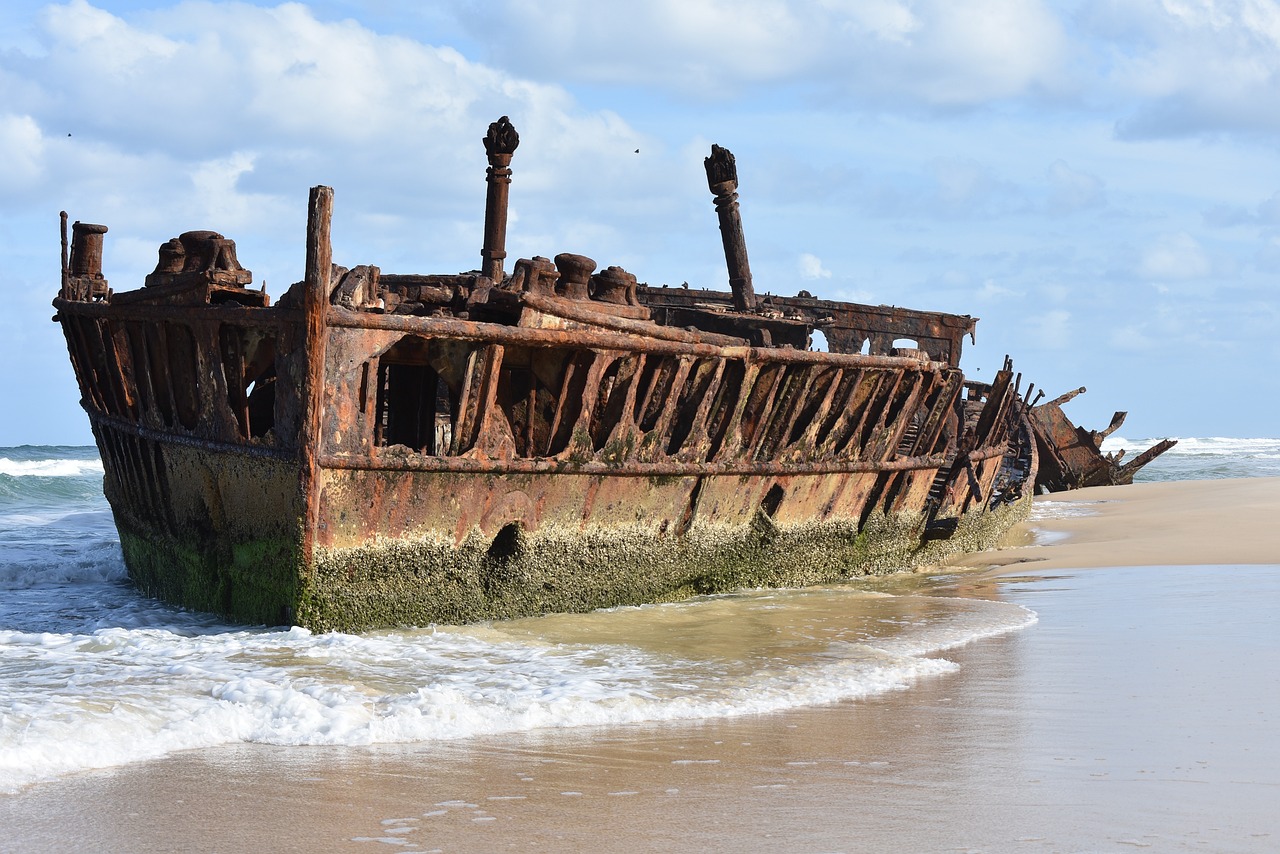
{"x": 378, "y": 449}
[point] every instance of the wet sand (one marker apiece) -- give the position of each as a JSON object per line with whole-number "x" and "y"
{"x": 1140, "y": 712}
{"x": 1203, "y": 522}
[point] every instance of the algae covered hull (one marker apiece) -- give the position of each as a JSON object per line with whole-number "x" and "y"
{"x": 377, "y": 449}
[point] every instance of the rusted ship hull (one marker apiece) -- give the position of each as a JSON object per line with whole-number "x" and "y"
{"x": 380, "y": 450}
{"x": 257, "y": 573}
{"x": 372, "y": 535}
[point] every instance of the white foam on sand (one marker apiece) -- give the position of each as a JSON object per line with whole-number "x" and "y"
{"x": 1042, "y": 510}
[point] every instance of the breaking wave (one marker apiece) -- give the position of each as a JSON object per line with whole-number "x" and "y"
{"x": 1203, "y": 458}
{"x": 105, "y": 678}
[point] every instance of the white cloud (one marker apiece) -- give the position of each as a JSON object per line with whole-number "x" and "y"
{"x": 1071, "y": 191}
{"x": 1174, "y": 256}
{"x": 991, "y": 290}
{"x": 21, "y": 151}
{"x": 116, "y": 48}
{"x": 933, "y": 52}
{"x": 854, "y": 295}
{"x": 687, "y": 44}
{"x": 201, "y": 80}
{"x": 220, "y": 115}
{"x": 1269, "y": 210}
{"x": 887, "y": 20}
{"x": 967, "y": 187}
{"x": 1161, "y": 67}
{"x": 1057, "y": 292}
{"x": 1265, "y": 213}
{"x": 811, "y": 267}
{"x": 202, "y": 75}
{"x": 217, "y": 184}
{"x": 960, "y": 181}
{"x": 1268, "y": 258}
{"x": 1192, "y": 66}
{"x": 1166, "y": 324}
{"x": 1052, "y": 329}
{"x": 973, "y": 52}
{"x": 1132, "y": 337}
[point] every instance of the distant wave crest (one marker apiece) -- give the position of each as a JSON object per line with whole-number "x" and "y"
{"x": 50, "y": 467}
{"x": 1202, "y": 458}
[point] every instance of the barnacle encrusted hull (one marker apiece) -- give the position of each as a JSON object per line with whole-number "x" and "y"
{"x": 252, "y": 567}
{"x": 420, "y": 581}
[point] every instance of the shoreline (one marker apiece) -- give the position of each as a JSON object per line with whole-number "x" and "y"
{"x": 1130, "y": 715}
{"x": 1169, "y": 523}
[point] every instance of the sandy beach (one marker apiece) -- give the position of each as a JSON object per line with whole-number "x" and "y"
{"x": 1138, "y": 712}
{"x": 1202, "y": 522}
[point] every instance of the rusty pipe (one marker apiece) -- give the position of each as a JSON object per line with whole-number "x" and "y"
{"x": 86, "y": 249}
{"x": 1071, "y": 395}
{"x": 499, "y": 144}
{"x": 722, "y": 180}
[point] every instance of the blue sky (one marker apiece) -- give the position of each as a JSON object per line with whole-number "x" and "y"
{"x": 1099, "y": 182}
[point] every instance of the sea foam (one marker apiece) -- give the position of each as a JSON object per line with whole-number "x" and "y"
{"x": 50, "y": 467}
{"x": 115, "y": 695}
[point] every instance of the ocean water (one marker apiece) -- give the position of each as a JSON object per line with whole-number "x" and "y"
{"x": 93, "y": 675}
{"x": 1202, "y": 459}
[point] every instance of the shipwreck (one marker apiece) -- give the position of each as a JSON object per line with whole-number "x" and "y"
{"x": 379, "y": 449}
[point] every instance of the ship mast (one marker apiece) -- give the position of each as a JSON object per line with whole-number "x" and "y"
{"x": 499, "y": 144}
{"x": 722, "y": 179}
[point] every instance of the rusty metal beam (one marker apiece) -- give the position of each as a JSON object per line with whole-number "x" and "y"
{"x": 275, "y": 317}
{"x": 480, "y": 465}
{"x": 466, "y": 330}
{"x": 315, "y": 299}
{"x": 219, "y": 446}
